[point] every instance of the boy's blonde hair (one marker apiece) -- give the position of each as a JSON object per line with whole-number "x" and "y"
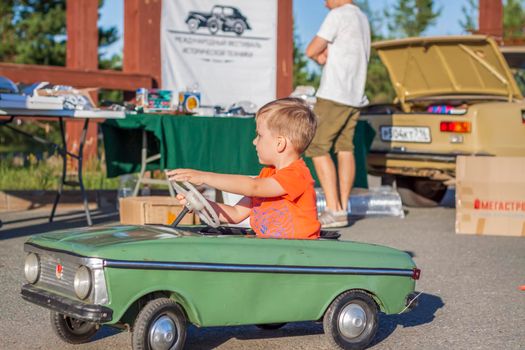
{"x": 292, "y": 118}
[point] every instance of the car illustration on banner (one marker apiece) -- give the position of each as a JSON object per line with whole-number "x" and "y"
{"x": 225, "y": 18}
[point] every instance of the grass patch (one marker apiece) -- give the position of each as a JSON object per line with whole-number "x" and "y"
{"x": 32, "y": 174}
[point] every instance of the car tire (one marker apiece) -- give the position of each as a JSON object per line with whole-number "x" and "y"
{"x": 213, "y": 26}
{"x": 152, "y": 322}
{"x": 72, "y": 330}
{"x": 351, "y": 321}
{"x": 193, "y": 25}
{"x": 270, "y": 326}
{"x": 238, "y": 27}
{"x": 419, "y": 191}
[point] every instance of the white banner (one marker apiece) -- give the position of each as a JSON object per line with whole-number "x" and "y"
{"x": 227, "y": 47}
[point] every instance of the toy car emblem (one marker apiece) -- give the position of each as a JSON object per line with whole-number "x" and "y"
{"x": 59, "y": 271}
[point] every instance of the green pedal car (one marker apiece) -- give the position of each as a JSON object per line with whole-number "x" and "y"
{"x": 156, "y": 280}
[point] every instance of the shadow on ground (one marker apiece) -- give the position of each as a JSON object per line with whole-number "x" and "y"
{"x": 212, "y": 337}
{"x": 424, "y": 313}
{"x": 62, "y": 221}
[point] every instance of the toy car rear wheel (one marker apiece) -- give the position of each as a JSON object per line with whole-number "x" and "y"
{"x": 72, "y": 330}
{"x": 420, "y": 191}
{"x": 213, "y": 26}
{"x": 239, "y": 27}
{"x": 161, "y": 324}
{"x": 270, "y": 326}
{"x": 193, "y": 25}
{"x": 351, "y": 321}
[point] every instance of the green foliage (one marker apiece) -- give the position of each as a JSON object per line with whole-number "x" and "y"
{"x": 513, "y": 19}
{"x": 378, "y": 86}
{"x": 34, "y": 32}
{"x": 44, "y": 175}
{"x": 470, "y": 13}
{"x": 301, "y": 74}
{"x": 411, "y": 17}
{"x": 11, "y": 141}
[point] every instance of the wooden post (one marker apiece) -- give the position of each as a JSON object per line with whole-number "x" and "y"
{"x": 284, "y": 48}
{"x": 82, "y": 53}
{"x": 142, "y": 38}
{"x": 491, "y": 18}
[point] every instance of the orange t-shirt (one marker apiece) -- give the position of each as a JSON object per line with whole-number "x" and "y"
{"x": 293, "y": 215}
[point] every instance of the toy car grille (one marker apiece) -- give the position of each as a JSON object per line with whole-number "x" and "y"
{"x": 60, "y": 282}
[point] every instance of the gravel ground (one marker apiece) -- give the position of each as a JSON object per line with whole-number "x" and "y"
{"x": 470, "y": 297}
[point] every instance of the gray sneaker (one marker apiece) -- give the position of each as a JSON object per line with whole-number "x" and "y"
{"x": 333, "y": 219}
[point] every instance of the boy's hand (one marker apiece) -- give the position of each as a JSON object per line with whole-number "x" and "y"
{"x": 194, "y": 176}
{"x": 182, "y": 199}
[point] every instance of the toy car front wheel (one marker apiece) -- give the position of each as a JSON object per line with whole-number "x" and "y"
{"x": 161, "y": 324}
{"x": 193, "y": 25}
{"x": 351, "y": 321}
{"x": 213, "y": 26}
{"x": 72, "y": 330}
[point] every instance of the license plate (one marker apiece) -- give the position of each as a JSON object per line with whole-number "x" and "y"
{"x": 405, "y": 134}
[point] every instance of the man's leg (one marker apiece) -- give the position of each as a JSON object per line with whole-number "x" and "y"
{"x": 346, "y": 172}
{"x": 325, "y": 169}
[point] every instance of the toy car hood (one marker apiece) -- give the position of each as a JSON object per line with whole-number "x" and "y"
{"x": 447, "y": 66}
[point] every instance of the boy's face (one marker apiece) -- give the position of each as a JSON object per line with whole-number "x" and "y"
{"x": 265, "y": 143}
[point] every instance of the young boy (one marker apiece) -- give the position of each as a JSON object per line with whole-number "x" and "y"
{"x": 281, "y": 201}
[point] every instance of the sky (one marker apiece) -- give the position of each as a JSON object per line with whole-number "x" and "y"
{"x": 308, "y": 16}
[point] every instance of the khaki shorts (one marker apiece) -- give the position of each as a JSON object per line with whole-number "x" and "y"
{"x": 335, "y": 128}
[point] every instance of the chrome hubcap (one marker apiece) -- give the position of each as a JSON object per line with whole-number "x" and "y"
{"x": 352, "y": 321}
{"x": 163, "y": 333}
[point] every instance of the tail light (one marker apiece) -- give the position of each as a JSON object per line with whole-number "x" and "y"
{"x": 523, "y": 116}
{"x": 461, "y": 127}
{"x": 416, "y": 273}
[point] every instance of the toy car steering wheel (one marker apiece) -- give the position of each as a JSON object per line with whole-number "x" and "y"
{"x": 195, "y": 201}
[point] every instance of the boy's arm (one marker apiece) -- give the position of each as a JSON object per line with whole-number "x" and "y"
{"x": 233, "y": 214}
{"x": 318, "y": 50}
{"x": 239, "y": 184}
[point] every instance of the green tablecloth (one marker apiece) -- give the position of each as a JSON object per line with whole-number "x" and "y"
{"x": 217, "y": 144}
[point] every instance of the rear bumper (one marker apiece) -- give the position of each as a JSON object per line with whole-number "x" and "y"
{"x": 66, "y": 306}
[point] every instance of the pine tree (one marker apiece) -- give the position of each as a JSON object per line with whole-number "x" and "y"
{"x": 301, "y": 74}
{"x": 513, "y": 19}
{"x": 34, "y": 32}
{"x": 411, "y": 17}
{"x": 470, "y": 13}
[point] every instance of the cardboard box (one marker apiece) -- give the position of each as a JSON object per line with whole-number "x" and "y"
{"x": 490, "y": 196}
{"x": 157, "y": 210}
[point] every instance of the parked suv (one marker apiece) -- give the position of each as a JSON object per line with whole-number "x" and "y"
{"x": 455, "y": 96}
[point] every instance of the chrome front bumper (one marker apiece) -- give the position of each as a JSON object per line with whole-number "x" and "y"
{"x": 66, "y": 306}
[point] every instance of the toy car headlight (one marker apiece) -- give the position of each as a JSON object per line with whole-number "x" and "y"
{"x": 82, "y": 282}
{"x": 32, "y": 268}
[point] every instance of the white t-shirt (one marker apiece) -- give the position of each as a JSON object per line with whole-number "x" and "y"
{"x": 343, "y": 79}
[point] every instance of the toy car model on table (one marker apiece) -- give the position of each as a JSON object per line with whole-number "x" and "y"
{"x": 155, "y": 280}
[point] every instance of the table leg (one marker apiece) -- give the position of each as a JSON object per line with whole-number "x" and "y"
{"x": 144, "y": 160}
{"x": 64, "y": 154}
{"x": 80, "y": 179}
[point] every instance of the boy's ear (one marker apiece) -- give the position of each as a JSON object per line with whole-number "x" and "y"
{"x": 281, "y": 143}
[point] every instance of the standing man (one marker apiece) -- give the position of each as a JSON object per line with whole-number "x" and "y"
{"x": 342, "y": 46}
